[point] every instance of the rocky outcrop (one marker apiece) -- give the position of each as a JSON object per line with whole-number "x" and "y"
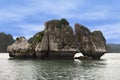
{"x": 58, "y": 41}
{"x": 37, "y": 38}
{"x": 91, "y": 44}
{"x": 21, "y": 49}
{"x": 5, "y": 40}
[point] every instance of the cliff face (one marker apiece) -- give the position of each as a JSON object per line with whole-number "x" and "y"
{"x": 58, "y": 41}
{"x": 5, "y": 40}
{"x": 21, "y": 49}
{"x": 37, "y": 38}
{"x": 90, "y": 44}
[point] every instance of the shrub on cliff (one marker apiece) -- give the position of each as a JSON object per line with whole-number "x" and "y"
{"x": 39, "y": 36}
{"x": 62, "y": 22}
{"x": 36, "y": 39}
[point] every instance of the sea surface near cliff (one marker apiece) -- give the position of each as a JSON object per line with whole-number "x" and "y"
{"x": 108, "y": 68}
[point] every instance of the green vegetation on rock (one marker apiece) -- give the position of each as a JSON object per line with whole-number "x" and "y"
{"x": 62, "y": 22}
{"x": 39, "y": 36}
{"x": 36, "y": 39}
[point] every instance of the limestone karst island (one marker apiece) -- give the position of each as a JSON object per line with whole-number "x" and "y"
{"x": 59, "y": 40}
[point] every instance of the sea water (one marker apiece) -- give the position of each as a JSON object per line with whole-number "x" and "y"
{"x": 108, "y": 68}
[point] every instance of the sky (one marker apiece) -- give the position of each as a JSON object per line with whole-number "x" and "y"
{"x": 27, "y": 17}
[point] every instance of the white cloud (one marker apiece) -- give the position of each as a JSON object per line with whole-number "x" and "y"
{"x": 110, "y": 31}
{"x": 18, "y": 12}
{"x": 70, "y": 9}
{"x": 95, "y": 15}
{"x": 28, "y": 30}
{"x": 32, "y": 27}
{"x": 84, "y": 10}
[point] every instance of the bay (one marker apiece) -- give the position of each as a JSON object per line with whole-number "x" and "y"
{"x": 108, "y": 68}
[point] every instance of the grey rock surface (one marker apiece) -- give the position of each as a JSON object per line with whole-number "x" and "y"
{"x": 58, "y": 41}
{"x": 91, "y": 44}
{"x": 20, "y": 49}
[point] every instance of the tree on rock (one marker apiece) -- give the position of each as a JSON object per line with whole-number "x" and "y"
{"x": 64, "y": 21}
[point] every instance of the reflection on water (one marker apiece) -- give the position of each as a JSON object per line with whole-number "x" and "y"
{"x": 105, "y": 69}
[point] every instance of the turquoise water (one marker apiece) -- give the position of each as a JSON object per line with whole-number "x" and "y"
{"x": 108, "y": 68}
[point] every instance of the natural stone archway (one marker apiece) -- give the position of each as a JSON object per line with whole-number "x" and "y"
{"x": 90, "y": 44}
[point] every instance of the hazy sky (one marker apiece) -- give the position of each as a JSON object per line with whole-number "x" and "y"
{"x": 26, "y": 17}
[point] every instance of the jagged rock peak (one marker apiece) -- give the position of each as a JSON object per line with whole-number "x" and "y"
{"x": 56, "y": 23}
{"x": 83, "y": 28}
{"x": 21, "y": 48}
{"x": 5, "y": 40}
{"x": 98, "y": 34}
{"x": 91, "y": 44}
{"x": 58, "y": 40}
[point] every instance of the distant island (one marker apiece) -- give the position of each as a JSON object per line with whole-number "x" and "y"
{"x": 113, "y": 48}
{"x": 57, "y": 41}
{"x": 5, "y": 40}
